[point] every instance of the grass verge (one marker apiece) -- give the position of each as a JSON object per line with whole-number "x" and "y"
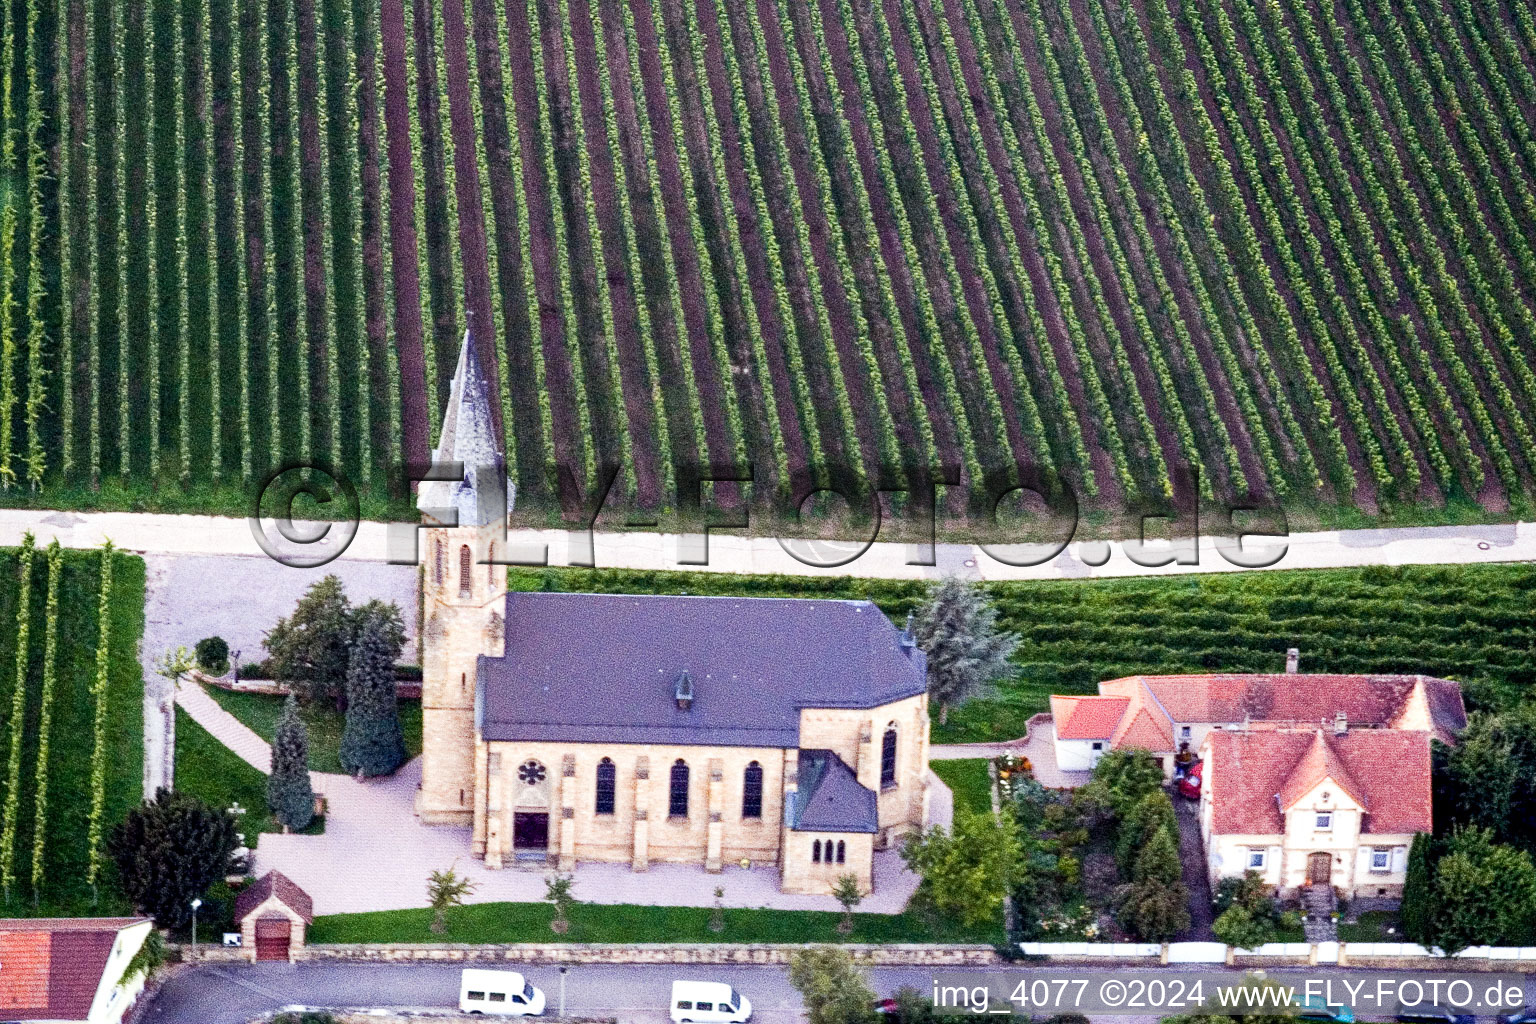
{"x": 590, "y": 922}
{"x": 968, "y": 780}
{"x": 260, "y": 712}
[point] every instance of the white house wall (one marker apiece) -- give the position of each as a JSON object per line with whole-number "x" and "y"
{"x": 115, "y": 993}
{"x": 1078, "y": 755}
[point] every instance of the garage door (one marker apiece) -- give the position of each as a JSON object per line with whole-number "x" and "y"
{"x": 272, "y": 938}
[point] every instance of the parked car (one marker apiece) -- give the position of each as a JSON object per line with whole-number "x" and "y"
{"x": 1525, "y": 1016}
{"x": 502, "y": 993}
{"x": 1189, "y": 783}
{"x": 708, "y": 1002}
{"x": 1426, "y": 1013}
{"x": 1318, "y": 1008}
{"x": 887, "y": 1006}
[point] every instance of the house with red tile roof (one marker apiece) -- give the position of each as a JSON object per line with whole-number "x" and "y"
{"x": 70, "y": 969}
{"x": 1336, "y": 806}
{"x": 1163, "y": 714}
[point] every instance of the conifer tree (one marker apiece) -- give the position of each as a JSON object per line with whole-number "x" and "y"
{"x": 289, "y": 795}
{"x": 957, "y": 629}
{"x": 372, "y": 742}
{"x": 1418, "y": 889}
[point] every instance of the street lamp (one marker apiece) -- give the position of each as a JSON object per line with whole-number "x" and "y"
{"x": 195, "y": 904}
{"x": 563, "y": 971}
{"x": 237, "y": 666}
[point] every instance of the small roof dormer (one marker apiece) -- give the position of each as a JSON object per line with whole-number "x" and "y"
{"x": 683, "y": 691}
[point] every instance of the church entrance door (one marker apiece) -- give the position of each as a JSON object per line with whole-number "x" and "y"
{"x": 530, "y": 832}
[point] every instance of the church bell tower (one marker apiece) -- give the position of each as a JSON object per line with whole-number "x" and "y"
{"x": 463, "y": 590}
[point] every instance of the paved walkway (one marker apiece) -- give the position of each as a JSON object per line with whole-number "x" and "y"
{"x": 175, "y": 534}
{"x": 1038, "y": 744}
{"x": 375, "y": 855}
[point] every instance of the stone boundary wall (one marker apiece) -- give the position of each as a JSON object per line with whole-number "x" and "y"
{"x": 405, "y": 689}
{"x": 894, "y": 955}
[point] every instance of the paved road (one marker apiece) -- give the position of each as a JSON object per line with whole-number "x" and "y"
{"x": 217, "y": 535}
{"x": 634, "y": 994}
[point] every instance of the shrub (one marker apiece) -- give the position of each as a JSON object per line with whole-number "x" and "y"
{"x": 169, "y": 851}
{"x": 212, "y": 654}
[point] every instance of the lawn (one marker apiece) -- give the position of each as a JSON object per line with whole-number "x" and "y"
{"x": 1372, "y": 927}
{"x": 212, "y": 772}
{"x": 969, "y": 781}
{"x": 261, "y": 711}
{"x": 590, "y": 922}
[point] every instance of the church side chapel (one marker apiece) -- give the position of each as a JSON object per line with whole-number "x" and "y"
{"x": 597, "y": 727}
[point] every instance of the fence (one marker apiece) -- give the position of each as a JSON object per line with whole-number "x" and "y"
{"x": 1312, "y": 952}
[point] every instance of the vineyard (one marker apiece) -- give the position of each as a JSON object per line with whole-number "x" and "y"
{"x": 1473, "y": 623}
{"x": 1280, "y": 248}
{"x": 70, "y": 717}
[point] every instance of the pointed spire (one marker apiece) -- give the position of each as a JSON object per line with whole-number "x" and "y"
{"x": 469, "y": 436}
{"x": 909, "y": 635}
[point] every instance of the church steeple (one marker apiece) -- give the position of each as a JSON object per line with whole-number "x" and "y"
{"x": 469, "y": 437}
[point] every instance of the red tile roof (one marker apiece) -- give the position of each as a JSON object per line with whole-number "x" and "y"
{"x": 286, "y": 889}
{"x": 1249, "y": 776}
{"x": 1088, "y": 718}
{"x": 51, "y": 968}
{"x": 1376, "y": 700}
{"x": 1321, "y": 761}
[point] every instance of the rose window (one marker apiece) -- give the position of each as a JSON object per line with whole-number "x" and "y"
{"x": 531, "y": 772}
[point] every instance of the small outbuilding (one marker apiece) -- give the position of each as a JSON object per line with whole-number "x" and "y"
{"x": 273, "y": 914}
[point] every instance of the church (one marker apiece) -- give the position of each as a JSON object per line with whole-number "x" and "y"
{"x": 564, "y": 728}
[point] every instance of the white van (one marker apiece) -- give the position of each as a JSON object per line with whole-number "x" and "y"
{"x": 506, "y": 993}
{"x": 708, "y": 1002}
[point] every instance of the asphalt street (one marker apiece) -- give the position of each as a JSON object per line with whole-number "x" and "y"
{"x": 634, "y": 994}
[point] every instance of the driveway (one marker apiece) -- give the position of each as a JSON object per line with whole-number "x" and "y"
{"x": 1196, "y": 879}
{"x": 1038, "y": 744}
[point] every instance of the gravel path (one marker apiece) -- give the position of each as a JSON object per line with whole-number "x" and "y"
{"x": 238, "y": 597}
{"x": 377, "y": 542}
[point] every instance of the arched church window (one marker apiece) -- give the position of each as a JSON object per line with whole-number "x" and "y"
{"x": 490, "y": 565}
{"x": 465, "y": 562}
{"x": 677, "y": 803}
{"x": 842, "y": 850}
{"x": 816, "y": 851}
{"x": 752, "y": 791}
{"x": 531, "y": 772}
{"x": 437, "y": 563}
{"x": 606, "y": 784}
{"x": 888, "y": 758}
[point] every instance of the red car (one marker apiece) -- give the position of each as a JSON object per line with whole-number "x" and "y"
{"x": 1189, "y": 783}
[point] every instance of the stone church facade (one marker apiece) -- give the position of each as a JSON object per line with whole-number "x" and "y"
{"x": 563, "y": 728}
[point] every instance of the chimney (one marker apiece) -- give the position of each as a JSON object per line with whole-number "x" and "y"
{"x": 684, "y": 691}
{"x": 1340, "y": 723}
{"x": 1292, "y": 660}
{"x": 908, "y": 637}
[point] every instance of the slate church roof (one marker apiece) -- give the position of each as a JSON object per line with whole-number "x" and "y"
{"x": 831, "y": 798}
{"x": 605, "y": 668}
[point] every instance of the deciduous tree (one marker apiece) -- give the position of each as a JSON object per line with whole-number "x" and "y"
{"x": 833, "y": 990}
{"x": 967, "y": 871}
